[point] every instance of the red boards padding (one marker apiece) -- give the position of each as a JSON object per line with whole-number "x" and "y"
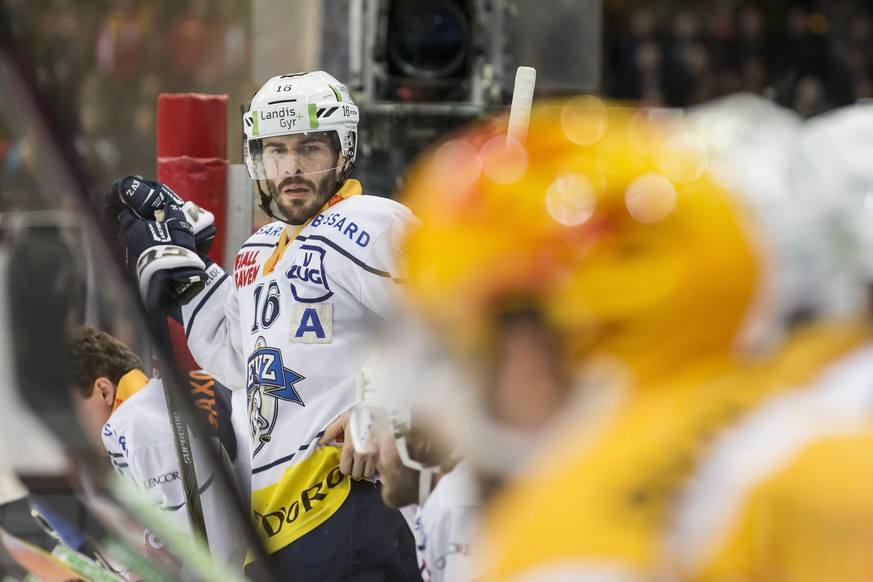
{"x": 192, "y": 160}
{"x": 192, "y": 154}
{"x": 192, "y": 124}
{"x": 203, "y": 181}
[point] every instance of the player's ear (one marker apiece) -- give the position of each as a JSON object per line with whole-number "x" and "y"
{"x": 104, "y": 389}
{"x": 342, "y": 165}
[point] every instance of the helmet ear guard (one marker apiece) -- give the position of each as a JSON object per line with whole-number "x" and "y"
{"x": 253, "y": 155}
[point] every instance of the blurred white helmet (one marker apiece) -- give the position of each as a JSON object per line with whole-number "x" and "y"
{"x": 299, "y": 103}
{"x": 404, "y": 377}
{"x": 833, "y": 164}
{"x": 750, "y": 140}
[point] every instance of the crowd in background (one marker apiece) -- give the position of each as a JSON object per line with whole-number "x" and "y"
{"x": 809, "y": 55}
{"x": 105, "y": 62}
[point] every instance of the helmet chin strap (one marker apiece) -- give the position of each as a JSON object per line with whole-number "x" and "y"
{"x": 425, "y": 484}
{"x": 266, "y": 199}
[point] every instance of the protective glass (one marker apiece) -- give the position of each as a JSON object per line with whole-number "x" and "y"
{"x": 60, "y": 270}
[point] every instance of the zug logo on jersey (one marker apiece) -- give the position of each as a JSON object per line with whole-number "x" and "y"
{"x": 267, "y": 382}
{"x": 307, "y": 276}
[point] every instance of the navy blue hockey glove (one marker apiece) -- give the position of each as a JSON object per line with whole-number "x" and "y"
{"x": 144, "y": 197}
{"x": 147, "y": 200}
{"x": 163, "y": 257}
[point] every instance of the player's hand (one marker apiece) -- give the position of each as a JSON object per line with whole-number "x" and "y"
{"x": 147, "y": 199}
{"x": 162, "y": 256}
{"x": 144, "y": 197}
{"x": 355, "y": 465}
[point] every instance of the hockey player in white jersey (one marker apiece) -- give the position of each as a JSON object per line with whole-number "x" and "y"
{"x": 293, "y": 322}
{"x": 420, "y": 475}
{"x": 119, "y": 405}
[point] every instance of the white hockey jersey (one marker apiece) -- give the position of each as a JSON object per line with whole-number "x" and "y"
{"x": 292, "y": 325}
{"x": 139, "y": 440}
{"x": 446, "y": 526}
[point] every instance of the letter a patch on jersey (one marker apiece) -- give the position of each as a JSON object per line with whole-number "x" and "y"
{"x": 312, "y": 324}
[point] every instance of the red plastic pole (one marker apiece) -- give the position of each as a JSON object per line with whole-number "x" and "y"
{"x": 192, "y": 154}
{"x": 192, "y": 160}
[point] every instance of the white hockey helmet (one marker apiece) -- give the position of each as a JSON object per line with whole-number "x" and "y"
{"x": 832, "y": 165}
{"x": 299, "y": 103}
{"x": 405, "y": 356}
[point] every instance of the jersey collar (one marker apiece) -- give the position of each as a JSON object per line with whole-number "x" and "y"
{"x": 350, "y": 188}
{"x": 130, "y": 384}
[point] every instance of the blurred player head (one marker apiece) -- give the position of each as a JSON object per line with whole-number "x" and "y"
{"x": 300, "y": 142}
{"x": 600, "y": 245}
{"x": 832, "y": 167}
{"x": 405, "y": 480}
{"x": 98, "y": 362}
{"x": 389, "y": 422}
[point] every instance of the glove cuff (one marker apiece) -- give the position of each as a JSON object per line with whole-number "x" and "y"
{"x": 164, "y": 257}
{"x": 199, "y": 218}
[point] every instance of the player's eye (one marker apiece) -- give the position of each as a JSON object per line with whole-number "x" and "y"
{"x": 277, "y": 151}
{"x": 309, "y": 149}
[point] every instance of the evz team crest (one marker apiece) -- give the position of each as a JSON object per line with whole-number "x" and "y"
{"x": 268, "y": 382}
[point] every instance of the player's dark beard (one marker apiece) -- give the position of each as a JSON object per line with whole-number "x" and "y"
{"x": 299, "y": 211}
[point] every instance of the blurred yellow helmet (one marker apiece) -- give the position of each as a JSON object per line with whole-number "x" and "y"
{"x": 604, "y": 221}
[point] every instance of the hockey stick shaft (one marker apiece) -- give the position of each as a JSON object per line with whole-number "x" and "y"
{"x": 522, "y": 99}
{"x": 181, "y": 435}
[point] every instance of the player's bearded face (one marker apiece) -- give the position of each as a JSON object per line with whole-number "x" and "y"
{"x": 302, "y": 173}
